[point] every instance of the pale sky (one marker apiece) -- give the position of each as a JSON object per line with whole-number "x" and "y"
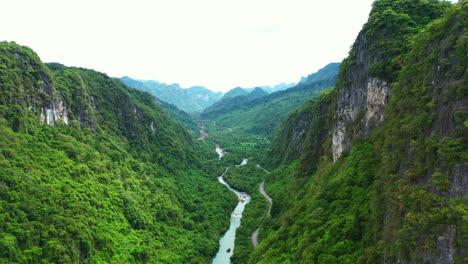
{"x": 218, "y": 44}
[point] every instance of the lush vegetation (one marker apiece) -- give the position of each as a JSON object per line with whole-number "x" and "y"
{"x": 260, "y": 116}
{"x": 396, "y": 196}
{"x": 120, "y": 183}
{"x": 186, "y": 120}
{"x": 394, "y": 23}
{"x": 92, "y": 171}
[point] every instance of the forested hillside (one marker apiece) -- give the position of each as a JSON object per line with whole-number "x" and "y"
{"x": 375, "y": 170}
{"x": 92, "y": 171}
{"x": 185, "y": 119}
{"x": 262, "y": 115}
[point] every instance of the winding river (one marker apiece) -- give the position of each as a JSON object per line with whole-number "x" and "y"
{"x": 226, "y": 243}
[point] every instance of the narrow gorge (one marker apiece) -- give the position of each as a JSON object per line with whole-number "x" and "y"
{"x": 363, "y": 161}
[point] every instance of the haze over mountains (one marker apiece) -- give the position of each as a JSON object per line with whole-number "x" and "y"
{"x": 193, "y": 99}
{"x": 197, "y": 98}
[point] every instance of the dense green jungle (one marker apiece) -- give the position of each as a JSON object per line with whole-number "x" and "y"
{"x": 365, "y": 163}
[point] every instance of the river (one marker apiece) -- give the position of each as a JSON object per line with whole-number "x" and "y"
{"x": 244, "y": 162}
{"x": 226, "y": 243}
{"x": 220, "y": 151}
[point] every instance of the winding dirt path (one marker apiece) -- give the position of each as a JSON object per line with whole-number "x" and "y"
{"x": 255, "y": 237}
{"x": 261, "y": 188}
{"x": 262, "y": 191}
{"x": 260, "y": 167}
{"x": 203, "y": 132}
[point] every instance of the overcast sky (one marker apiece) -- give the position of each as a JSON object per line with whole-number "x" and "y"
{"x": 219, "y": 44}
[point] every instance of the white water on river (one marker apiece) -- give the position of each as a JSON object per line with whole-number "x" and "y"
{"x": 226, "y": 243}
{"x": 220, "y": 151}
{"x": 244, "y": 162}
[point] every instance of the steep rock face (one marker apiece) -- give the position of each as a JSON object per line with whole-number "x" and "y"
{"x": 431, "y": 106}
{"x": 302, "y": 134}
{"x": 25, "y": 81}
{"x": 447, "y": 82}
{"x": 431, "y": 103}
{"x": 361, "y": 98}
{"x": 399, "y": 193}
{"x": 364, "y": 86}
{"x": 55, "y": 108}
{"x": 51, "y": 114}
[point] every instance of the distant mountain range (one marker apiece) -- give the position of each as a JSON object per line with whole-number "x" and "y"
{"x": 238, "y": 91}
{"x": 191, "y": 100}
{"x": 256, "y": 93}
{"x": 249, "y": 92}
{"x": 272, "y": 89}
{"x": 326, "y": 73}
{"x": 196, "y": 99}
{"x": 259, "y": 112}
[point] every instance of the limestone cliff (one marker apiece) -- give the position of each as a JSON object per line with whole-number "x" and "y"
{"x": 364, "y": 86}
{"x": 361, "y": 97}
{"x": 380, "y": 174}
{"x": 431, "y": 99}
{"x": 25, "y": 81}
{"x": 31, "y": 90}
